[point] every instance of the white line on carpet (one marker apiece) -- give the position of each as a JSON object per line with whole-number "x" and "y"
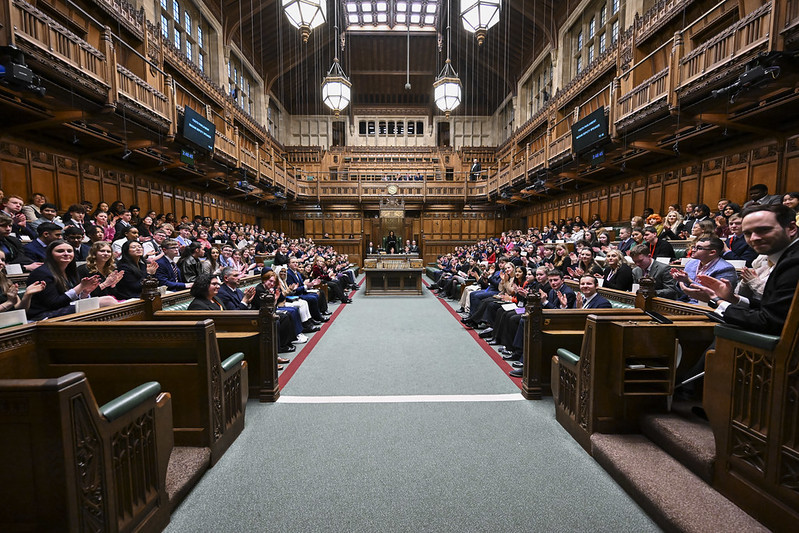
{"x": 422, "y": 398}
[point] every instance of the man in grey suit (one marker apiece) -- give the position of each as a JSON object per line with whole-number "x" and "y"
{"x": 665, "y": 286}
{"x": 758, "y": 195}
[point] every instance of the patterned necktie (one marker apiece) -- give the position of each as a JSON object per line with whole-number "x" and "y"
{"x": 175, "y": 271}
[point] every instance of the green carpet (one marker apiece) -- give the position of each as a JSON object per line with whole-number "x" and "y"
{"x": 457, "y": 466}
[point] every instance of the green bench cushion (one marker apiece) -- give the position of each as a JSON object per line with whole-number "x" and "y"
{"x": 758, "y": 340}
{"x": 232, "y": 361}
{"x": 131, "y": 399}
{"x": 620, "y": 305}
{"x": 569, "y": 356}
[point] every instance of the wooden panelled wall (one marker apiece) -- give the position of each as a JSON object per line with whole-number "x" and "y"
{"x": 66, "y": 179}
{"x": 727, "y": 175}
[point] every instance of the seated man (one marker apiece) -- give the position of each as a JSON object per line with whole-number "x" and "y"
{"x": 735, "y": 246}
{"x": 168, "y": 272}
{"x": 770, "y": 230}
{"x": 49, "y": 214}
{"x": 706, "y": 260}
{"x": 657, "y": 247}
{"x": 12, "y": 247}
{"x": 645, "y": 266}
{"x": 476, "y": 297}
{"x": 588, "y": 297}
{"x": 300, "y": 287}
{"x": 74, "y": 236}
{"x": 229, "y": 293}
{"x": 48, "y": 232}
{"x": 560, "y": 296}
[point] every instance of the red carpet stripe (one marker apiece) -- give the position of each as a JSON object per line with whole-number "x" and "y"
{"x": 487, "y": 348}
{"x": 297, "y": 360}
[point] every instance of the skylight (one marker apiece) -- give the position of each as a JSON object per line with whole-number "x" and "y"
{"x": 391, "y": 15}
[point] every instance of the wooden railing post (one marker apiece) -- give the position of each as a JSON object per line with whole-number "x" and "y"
{"x": 172, "y": 111}
{"x": 107, "y": 42}
{"x": 151, "y": 297}
{"x": 7, "y": 36}
{"x": 269, "y": 387}
{"x": 615, "y": 112}
{"x": 533, "y": 330}
{"x": 779, "y": 16}
{"x": 675, "y": 71}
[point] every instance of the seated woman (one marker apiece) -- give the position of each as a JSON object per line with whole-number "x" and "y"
{"x": 100, "y": 262}
{"x": 320, "y": 271}
{"x": 204, "y": 290}
{"x": 585, "y": 265}
{"x": 286, "y": 332}
{"x": 62, "y": 284}
{"x": 135, "y": 269}
{"x": 286, "y": 300}
{"x": 618, "y": 274}
{"x": 9, "y": 292}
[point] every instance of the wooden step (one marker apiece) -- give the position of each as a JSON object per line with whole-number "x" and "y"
{"x": 688, "y": 439}
{"x": 186, "y": 467}
{"x": 672, "y": 495}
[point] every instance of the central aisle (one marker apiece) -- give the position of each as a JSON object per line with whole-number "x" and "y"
{"x": 456, "y": 448}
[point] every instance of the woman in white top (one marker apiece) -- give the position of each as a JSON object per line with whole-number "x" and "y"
{"x": 285, "y": 288}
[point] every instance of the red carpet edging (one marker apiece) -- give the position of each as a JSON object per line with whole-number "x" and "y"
{"x": 297, "y": 360}
{"x": 487, "y": 348}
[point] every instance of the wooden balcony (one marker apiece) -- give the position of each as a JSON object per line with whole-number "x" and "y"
{"x": 652, "y": 92}
{"x": 126, "y": 14}
{"x": 59, "y": 48}
{"x": 142, "y": 95}
{"x": 712, "y": 59}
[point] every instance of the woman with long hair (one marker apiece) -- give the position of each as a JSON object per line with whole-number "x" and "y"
{"x": 561, "y": 259}
{"x": 146, "y": 226}
{"x": 617, "y": 274}
{"x": 101, "y": 221}
{"x": 62, "y": 284}
{"x": 211, "y": 264}
{"x": 100, "y": 262}
{"x": 289, "y": 325}
{"x": 791, "y": 200}
{"x": 9, "y": 291}
{"x": 586, "y": 264}
{"x": 132, "y": 263}
{"x": 672, "y": 226}
{"x": 285, "y": 298}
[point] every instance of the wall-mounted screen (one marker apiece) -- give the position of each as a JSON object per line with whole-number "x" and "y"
{"x": 590, "y": 132}
{"x": 198, "y": 130}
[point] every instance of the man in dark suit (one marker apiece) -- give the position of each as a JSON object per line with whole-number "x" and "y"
{"x": 371, "y": 249}
{"x": 625, "y": 240}
{"x": 229, "y": 293}
{"x": 48, "y": 232}
{"x": 589, "y": 298}
{"x": 168, "y": 272}
{"x": 735, "y": 246}
{"x": 475, "y": 171}
{"x": 657, "y": 247}
{"x": 295, "y": 279}
{"x": 645, "y": 266}
{"x": 770, "y": 230}
{"x": 560, "y": 296}
{"x": 122, "y": 224}
{"x": 74, "y": 236}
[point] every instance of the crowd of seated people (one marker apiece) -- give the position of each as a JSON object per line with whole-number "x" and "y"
{"x": 493, "y": 277}
{"x": 108, "y": 251}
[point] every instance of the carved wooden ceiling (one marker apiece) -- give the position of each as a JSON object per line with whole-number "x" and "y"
{"x": 377, "y": 61}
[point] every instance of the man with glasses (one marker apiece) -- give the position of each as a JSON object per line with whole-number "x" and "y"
{"x": 706, "y": 260}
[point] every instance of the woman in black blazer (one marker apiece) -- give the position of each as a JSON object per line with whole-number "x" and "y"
{"x": 135, "y": 269}
{"x": 100, "y": 262}
{"x": 62, "y": 283}
{"x": 618, "y": 275}
{"x": 204, "y": 291}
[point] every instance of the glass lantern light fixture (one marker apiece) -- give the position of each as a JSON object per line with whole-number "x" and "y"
{"x": 305, "y": 15}
{"x": 336, "y": 88}
{"x": 479, "y": 15}
{"x": 447, "y": 89}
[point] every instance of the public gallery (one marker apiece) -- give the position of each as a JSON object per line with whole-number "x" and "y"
{"x": 399, "y": 265}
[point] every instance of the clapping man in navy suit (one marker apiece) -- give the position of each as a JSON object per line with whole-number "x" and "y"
{"x": 588, "y": 298}
{"x": 229, "y": 293}
{"x": 168, "y": 272}
{"x": 300, "y": 288}
{"x": 560, "y": 296}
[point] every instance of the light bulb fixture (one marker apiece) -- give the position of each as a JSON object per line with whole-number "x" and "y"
{"x": 305, "y": 15}
{"x": 479, "y": 15}
{"x": 447, "y": 87}
{"x": 336, "y": 87}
